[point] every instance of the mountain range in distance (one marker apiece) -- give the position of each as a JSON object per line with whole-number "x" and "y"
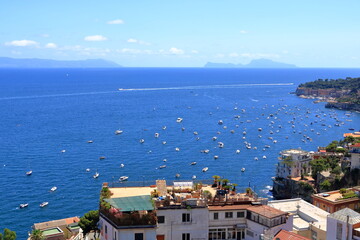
{"x": 256, "y": 63}
{"x": 6, "y": 62}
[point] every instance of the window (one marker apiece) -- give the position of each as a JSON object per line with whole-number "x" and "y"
{"x": 338, "y": 231}
{"x": 228, "y": 214}
{"x": 216, "y": 216}
{"x": 105, "y": 229}
{"x": 186, "y": 217}
{"x": 249, "y": 233}
{"x": 139, "y": 236}
{"x": 161, "y": 219}
{"x": 186, "y": 236}
{"x": 240, "y": 214}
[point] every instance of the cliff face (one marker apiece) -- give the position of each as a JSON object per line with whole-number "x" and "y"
{"x": 344, "y": 106}
{"x": 324, "y": 93}
{"x": 287, "y": 188}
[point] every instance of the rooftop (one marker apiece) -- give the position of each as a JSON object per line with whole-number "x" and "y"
{"x": 343, "y": 214}
{"x": 135, "y": 203}
{"x": 336, "y": 196}
{"x": 354, "y": 134}
{"x": 294, "y": 151}
{"x": 304, "y": 212}
{"x": 285, "y": 235}
{"x": 56, "y": 223}
{"x": 266, "y": 211}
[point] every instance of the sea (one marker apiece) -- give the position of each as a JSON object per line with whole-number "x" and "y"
{"x": 49, "y": 115}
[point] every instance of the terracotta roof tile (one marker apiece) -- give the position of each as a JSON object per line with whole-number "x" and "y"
{"x": 285, "y": 235}
{"x": 266, "y": 211}
{"x": 229, "y": 207}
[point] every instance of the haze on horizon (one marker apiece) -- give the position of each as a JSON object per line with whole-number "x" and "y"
{"x": 184, "y": 33}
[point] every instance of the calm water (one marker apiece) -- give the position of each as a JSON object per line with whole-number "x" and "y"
{"x": 46, "y": 111}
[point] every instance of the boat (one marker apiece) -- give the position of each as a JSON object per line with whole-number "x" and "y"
{"x": 237, "y": 151}
{"x": 193, "y": 163}
{"x": 117, "y": 132}
{"x": 177, "y": 149}
{"x": 88, "y": 169}
{"x": 164, "y": 127}
{"x": 216, "y": 157}
{"x": 179, "y": 120}
{"x": 122, "y": 165}
{"x": 177, "y": 175}
{"x": 96, "y": 175}
{"x": 220, "y": 122}
{"x": 164, "y": 142}
{"x": 221, "y": 144}
{"x": 164, "y": 160}
{"x": 53, "y": 189}
{"x": 196, "y": 133}
{"x": 243, "y": 169}
{"x": 123, "y": 178}
{"x": 193, "y": 177}
{"x": 90, "y": 141}
{"x": 142, "y": 141}
{"x": 28, "y": 173}
{"x": 205, "y": 169}
{"x": 157, "y": 135}
{"x": 43, "y": 204}
{"x": 24, "y": 205}
{"x": 63, "y": 150}
{"x": 256, "y": 158}
{"x": 162, "y": 166}
{"x": 259, "y": 129}
{"x": 102, "y": 157}
{"x": 214, "y": 138}
{"x": 264, "y": 157}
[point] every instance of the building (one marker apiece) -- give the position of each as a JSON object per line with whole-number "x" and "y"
{"x": 187, "y": 211}
{"x": 293, "y": 163}
{"x": 343, "y": 225}
{"x": 336, "y": 200}
{"x": 62, "y": 229}
{"x": 355, "y": 156}
{"x": 308, "y": 220}
{"x": 286, "y": 235}
{"x": 354, "y": 134}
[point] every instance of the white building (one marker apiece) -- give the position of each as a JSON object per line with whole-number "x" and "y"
{"x": 355, "y": 156}
{"x": 308, "y": 220}
{"x": 343, "y": 225}
{"x": 293, "y": 162}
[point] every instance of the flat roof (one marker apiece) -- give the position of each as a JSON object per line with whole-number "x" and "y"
{"x": 228, "y": 207}
{"x": 335, "y": 196}
{"x": 56, "y": 223}
{"x": 266, "y": 211}
{"x": 135, "y": 203}
{"x": 51, "y": 231}
{"x": 306, "y": 211}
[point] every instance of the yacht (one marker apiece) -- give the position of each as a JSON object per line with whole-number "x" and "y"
{"x": 122, "y": 165}
{"x": 162, "y": 166}
{"x": 216, "y": 157}
{"x": 194, "y": 177}
{"x": 243, "y": 169}
{"x": 102, "y": 157}
{"x": 117, "y": 132}
{"x": 157, "y": 135}
{"x": 53, "y": 189}
{"x": 179, "y": 120}
{"x": 123, "y": 178}
{"x": 177, "y": 175}
{"x": 88, "y": 169}
{"x": 193, "y": 163}
{"x": 90, "y": 141}
{"x": 96, "y": 175}
{"x": 256, "y": 158}
{"x": 237, "y": 151}
{"x": 214, "y": 138}
{"x": 205, "y": 169}
{"x": 177, "y": 149}
{"x": 43, "y": 204}
{"x": 142, "y": 141}
{"x": 220, "y": 122}
{"x": 24, "y": 205}
{"x": 28, "y": 173}
{"x": 221, "y": 144}
{"x": 264, "y": 157}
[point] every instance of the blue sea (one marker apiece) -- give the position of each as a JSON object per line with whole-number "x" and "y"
{"x": 44, "y": 112}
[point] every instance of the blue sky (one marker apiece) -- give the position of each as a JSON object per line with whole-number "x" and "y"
{"x": 185, "y": 33}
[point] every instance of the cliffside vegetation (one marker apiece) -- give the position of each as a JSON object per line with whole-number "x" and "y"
{"x": 341, "y": 84}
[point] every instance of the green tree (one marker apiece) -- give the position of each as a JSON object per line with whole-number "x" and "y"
{"x": 37, "y": 234}
{"x": 325, "y": 185}
{"x": 317, "y": 166}
{"x": 89, "y": 221}
{"x": 8, "y": 235}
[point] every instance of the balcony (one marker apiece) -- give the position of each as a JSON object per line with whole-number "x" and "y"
{"x": 136, "y": 219}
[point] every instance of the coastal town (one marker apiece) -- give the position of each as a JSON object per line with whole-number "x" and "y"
{"x": 308, "y": 205}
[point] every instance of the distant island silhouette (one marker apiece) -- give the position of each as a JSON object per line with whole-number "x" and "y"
{"x": 6, "y": 62}
{"x": 256, "y": 63}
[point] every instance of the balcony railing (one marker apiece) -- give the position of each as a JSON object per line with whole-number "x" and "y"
{"x": 129, "y": 218}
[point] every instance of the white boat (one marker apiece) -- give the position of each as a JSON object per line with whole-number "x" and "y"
{"x": 264, "y": 157}
{"x": 88, "y": 169}
{"x": 123, "y": 178}
{"x": 237, "y": 151}
{"x": 53, "y": 189}
{"x": 43, "y": 204}
{"x": 205, "y": 169}
{"x": 194, "y": 177}
{"x": 196, "y": 133}
{"x": 164, "y": 127}
{"x": 243, "y": 169}
{"x": 216, "y": 157}
{"x": 221, "y": 144}
{"x": 117, "y": 132}
{"x": 142, "y": 141}
{"x": 193, "y": 163}
{"x": 90, "y": 141}
{"x": 164, "y": 142}
{"x": 157, "y": 135}
{"x": 164, "y": 160}
{"x": 220, "y": 122}
{"x": 177, "y": 149}
{"x": 122, "y": 165}
{"x": 177, "y": 175}
{"x": 179, "y": 120}
{"x": 63, "y": 150}
{"x": 24, "y": 205}
{"x": 96, "y": 175}
{"x": 28, "y": 173}
{"x": 256, "y": 158}
{"x": 162, "y": 166}
{"x": 214, "y": 138}
{"x": 259, "y": 129}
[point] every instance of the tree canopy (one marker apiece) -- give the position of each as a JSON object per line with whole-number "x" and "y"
{"x": 8, "y": 235}
{"x": 89, "y": 221}
{"x": 37, "y": 234}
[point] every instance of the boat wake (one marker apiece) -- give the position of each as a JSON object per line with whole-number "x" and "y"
{"x": 207, "y": 87}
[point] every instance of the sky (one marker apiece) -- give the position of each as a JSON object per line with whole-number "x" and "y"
{"x": 187, "y": 33}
